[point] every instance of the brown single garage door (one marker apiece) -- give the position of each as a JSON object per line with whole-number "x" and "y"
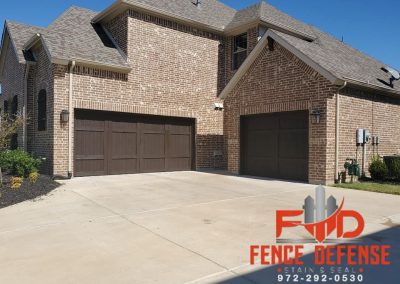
{"x": 275, "y": 145}
{"x": 109, "y": 143}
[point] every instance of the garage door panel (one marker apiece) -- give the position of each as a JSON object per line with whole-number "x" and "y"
{"x": 260, "y": 122}
{"x": 90, "y": 125}
{"x": 124, "y": 127}
{"x": 153, "y": 145}
{"x": 275, "y": 145}
{"x": 178, "y": 164}
{"x": 263, "y": 167}
{"x": 91, "y": 167}
{"x": 292, "y": 169}
{"x": 152, "y": 128}
{"x": 179, "y": 146}
{"x": 291, "y": 144}
{"x": 151, "y": 165}
{"x": 124, "y": 145}
{"x": 261, "y": 143}
{"x": 294, "y": 120}
{"x": 179, "y": 129}
{"x": 118, "y": 143}
{"x": 89, "y": 143}
{"x": 124, "y": 166}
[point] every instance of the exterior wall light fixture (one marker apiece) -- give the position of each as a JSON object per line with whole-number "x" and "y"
{"x": 315, "y": 116}
{"x": 64, "y": 116}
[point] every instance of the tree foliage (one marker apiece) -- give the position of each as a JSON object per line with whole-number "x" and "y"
{"x": 9, "y": 126}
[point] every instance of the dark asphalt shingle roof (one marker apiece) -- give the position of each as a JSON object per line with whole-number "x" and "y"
{"x": 210, "y": 12}
{"x": 20, "y": 34}
{"x": 73, "y": 36}
{"x": 270, "y": 15}
{"x": 342, "y": 60}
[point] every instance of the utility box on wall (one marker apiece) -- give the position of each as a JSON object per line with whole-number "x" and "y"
{"x": 360, "y": 136}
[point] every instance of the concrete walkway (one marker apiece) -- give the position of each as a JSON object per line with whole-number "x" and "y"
{"x": 185, "y": 227}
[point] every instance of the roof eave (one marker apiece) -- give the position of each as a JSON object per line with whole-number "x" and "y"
{"x": 111, "y": 67}
{"x": 366, "y": 85}
{"x": 121, "y": 5}
{"x": 3, "y": 48}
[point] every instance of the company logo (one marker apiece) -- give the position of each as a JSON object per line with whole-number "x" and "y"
{"x": 321, "y": 218}
{"x": 325, "y": 222}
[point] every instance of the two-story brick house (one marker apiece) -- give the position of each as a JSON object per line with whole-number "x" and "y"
{"x": 142, "y": 86}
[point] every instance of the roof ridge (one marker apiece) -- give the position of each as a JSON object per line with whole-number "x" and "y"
{"x": 23, "y": 24}
{"x": 65, "y": 12}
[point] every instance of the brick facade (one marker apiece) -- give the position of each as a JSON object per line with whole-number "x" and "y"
{"x": 369, "y": 110}
{"x": 174, "y": 73}
{"x": 41, "y": 143}
{"x": 179, "y": 70}
{"x": 278, "y": 82}
{"x": 13, "y": 84}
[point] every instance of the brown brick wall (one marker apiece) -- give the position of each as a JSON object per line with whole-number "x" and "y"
{"x": 13, "y": 84}
{"x": 41, "y": 143}
{"x": 370, "y": 110}
{"x": 278, "y": 82}
{"x": 118, "y": 27}
{"x": 174, "y": 73}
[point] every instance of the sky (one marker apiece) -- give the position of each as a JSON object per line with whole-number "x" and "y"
{"x": 368, "y": 25}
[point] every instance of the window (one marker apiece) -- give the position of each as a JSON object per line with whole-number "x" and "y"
{"x": 5, "y": 107}
{"x": 14, "y": 106}
{"x": 239, "y": 50}
{"x": 42, "y": 110}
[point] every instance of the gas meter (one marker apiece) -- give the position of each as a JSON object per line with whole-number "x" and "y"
{"x": 367, "y": 136}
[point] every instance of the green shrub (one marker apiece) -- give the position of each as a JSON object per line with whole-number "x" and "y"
{"x": 378, "y": 169}
{"x": 19, "y": 162}
{"x": 393, "y": 164}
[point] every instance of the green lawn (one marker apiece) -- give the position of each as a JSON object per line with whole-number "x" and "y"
{"x": 389, "y": 188}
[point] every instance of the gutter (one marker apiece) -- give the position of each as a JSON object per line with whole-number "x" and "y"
{"x": 71, "y": 110}
{"x": 370, "y": 86}
{"x": 337, "y": 136}
{"x": 111, "y": 67}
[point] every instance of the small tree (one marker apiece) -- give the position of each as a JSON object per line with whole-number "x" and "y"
{"x": 9, "y": 126}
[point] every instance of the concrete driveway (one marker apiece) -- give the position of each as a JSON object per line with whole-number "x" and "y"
{"x": 184, "y": 227}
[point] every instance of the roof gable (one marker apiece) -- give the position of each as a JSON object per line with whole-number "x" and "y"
{"x": 20, "y": 34}
{"x": 74, "y": 37}
{"x": 325, "y": 56}
{"x": 273, "y": 18}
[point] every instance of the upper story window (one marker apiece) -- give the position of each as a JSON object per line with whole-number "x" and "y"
{"x": 239, "y": 50}
{"x": 42, "y": 110}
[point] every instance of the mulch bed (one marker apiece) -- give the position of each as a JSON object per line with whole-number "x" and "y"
{"x": 27, "y": 191}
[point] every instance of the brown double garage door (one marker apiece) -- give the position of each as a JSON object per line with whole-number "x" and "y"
{"x": 275, "y": 145}
{"x": 107, "y": 143}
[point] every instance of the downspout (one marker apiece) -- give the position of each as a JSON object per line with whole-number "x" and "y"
{"x": 337, "y": 136}
{"x": 70, "y": 110}
{"x": 25, "y": 107}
